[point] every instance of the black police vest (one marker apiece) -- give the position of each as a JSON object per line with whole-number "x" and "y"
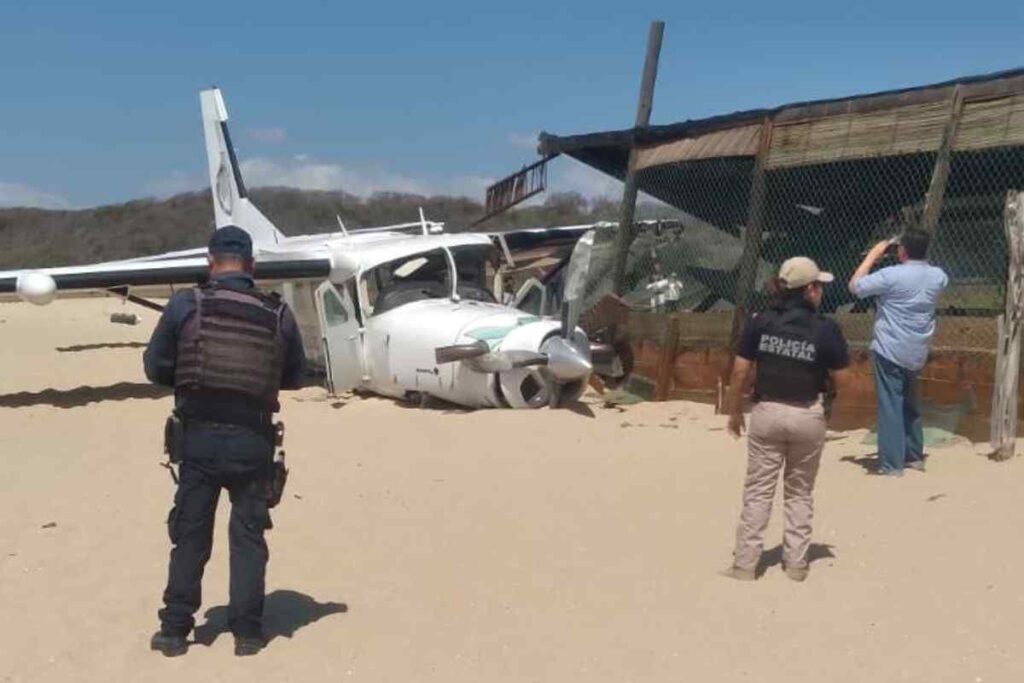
{"x": 233, "y": 346}
{"x": 788, "y": 368}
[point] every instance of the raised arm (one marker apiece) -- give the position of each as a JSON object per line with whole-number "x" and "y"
{"x": 867, "y": 264}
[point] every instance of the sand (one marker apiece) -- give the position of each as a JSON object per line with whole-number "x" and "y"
{"x": 441, "y": 545}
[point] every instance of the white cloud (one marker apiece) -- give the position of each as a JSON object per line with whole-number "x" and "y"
{"x": 527, "y": 141}
{"x": 17, "y": 194}
{"x": 272, "y": 135}
{"x": 577, "y": 177}
{"x": 305, "y": 173}
{"x": 176, "y": 182}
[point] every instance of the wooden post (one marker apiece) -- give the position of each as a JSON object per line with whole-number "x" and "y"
{"x": 940, "y": 172}
{"x": 643, "y": 117}
{"x": 667, "y": 359}
{"x": 751, "y": 257}
{"x": 1004, "y": 393}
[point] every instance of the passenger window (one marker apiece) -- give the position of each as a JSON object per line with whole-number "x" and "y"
{"x": 334, "y": 310}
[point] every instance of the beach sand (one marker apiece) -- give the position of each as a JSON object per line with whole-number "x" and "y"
{"x": 443, "y": 545}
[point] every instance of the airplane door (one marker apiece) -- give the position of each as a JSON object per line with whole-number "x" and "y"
{"x": 340, "y": 334}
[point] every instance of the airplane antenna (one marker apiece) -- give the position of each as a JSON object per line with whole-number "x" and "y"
{"x": 423, "y": 222}
{"x": 341, "y": 225}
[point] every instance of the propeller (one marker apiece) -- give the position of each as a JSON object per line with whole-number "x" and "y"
{"x": 564, "y": 360}
{"x": 569, "y": 355}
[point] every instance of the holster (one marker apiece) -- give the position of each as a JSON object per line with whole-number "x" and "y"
{"x": 278, "y": 472}
{"x": 174, "y": 438}
{"x": 275, "y": 483}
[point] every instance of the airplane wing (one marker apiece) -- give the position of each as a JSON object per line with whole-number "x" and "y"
{"x": 520, "y": 239}
{"x": 40, "y": 286}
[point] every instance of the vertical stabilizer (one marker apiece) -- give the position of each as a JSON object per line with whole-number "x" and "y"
{"x": 231, "y": 205}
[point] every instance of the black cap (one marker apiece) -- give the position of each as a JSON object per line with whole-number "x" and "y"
{"x": 231, "y": 240}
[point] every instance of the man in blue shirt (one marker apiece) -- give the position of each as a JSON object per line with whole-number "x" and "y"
{"x": 904, "y": 326}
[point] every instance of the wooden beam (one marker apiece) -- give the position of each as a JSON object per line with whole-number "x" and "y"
{"x": 940, "y": 172}
{"x": 751, "y": 256}
{"x": 624, "y": 238}
{"x": 667, "y": 359}
{"x": 1007, "y": 376}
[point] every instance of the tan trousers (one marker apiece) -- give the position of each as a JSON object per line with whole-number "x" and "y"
{"x": 787, "y": 438}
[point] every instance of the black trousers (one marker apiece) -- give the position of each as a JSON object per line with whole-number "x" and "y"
{"x": 239, "y": 460}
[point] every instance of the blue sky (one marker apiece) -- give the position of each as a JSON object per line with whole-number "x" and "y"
{"x": 101, "y": 103}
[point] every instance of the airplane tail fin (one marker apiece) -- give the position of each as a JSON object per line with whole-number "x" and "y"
{"x": 231, "y": 205}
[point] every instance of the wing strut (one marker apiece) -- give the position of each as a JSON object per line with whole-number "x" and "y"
{"x": 145, "y": 303}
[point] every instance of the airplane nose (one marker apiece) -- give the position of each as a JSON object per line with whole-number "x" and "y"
{"x": 566, "y": 362}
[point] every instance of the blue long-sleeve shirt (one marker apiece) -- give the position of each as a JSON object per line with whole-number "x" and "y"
{"x": 905, "y": 319}
{"x": 160, "y": 358}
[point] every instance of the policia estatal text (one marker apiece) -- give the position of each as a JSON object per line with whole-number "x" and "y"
{"x": 795, "y": 352}
{"x": 226, "y": 348}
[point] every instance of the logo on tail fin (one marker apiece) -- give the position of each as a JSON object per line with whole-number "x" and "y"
{"x": 224, "y": 193}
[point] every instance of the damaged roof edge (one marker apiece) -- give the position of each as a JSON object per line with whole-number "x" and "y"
{"x": 989, "y": 85}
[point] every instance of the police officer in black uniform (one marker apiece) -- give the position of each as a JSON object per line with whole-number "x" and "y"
{"x": 226, "y": 348}
{"x": 796, "y": 353}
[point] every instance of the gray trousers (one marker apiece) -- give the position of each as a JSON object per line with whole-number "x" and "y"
{"x": 786, "y": 438}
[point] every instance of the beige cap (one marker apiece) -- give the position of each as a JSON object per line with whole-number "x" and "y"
{"x": 801, "y": 271}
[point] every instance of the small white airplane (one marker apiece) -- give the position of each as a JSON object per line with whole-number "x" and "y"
{"x": 403, "y": 311}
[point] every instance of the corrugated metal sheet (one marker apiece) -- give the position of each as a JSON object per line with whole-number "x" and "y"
{"x": 901, "y": 130}
{"x": 734, "y": 142}
{"x": 991, "y": 123}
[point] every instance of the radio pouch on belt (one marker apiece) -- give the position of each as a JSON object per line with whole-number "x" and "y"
{"x": 174, "y": 438}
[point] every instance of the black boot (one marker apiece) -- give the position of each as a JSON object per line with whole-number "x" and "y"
{"x": 168, "y": 644}
{"x": 246, "y": 646}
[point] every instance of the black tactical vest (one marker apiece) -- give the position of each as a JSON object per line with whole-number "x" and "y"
{"x": 232, "y": 346}
{"x": 788, "y": 368}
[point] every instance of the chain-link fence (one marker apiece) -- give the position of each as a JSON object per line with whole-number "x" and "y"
{"x": 740, "y": 193}
{"x": 690, "y": 260}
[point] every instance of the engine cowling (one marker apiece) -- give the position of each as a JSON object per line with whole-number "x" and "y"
{"x": 36, "y": 288}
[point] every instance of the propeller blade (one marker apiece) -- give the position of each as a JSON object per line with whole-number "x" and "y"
{"x": 502, "y": 361}
{"x": 457, "y": 352}
{"x": 576, "y": 283}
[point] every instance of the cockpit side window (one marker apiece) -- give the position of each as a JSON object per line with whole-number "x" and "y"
{"x": 472, "y": 262}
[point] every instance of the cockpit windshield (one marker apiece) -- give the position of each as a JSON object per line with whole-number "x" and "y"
{"x": 402, "y": 281}
{"x": 426, "y": 276}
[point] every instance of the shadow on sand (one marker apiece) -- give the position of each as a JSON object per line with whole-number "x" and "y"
{"x": 284, "y": 613}
{"x": 96, "y": 347}
{"x": 80, "y": 396}
{"x": 869, "y": 462}
{"x": 773, "y": 558}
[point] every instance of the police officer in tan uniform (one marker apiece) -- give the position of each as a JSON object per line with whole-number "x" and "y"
{"x": 227, "y": 348}
{"x": 793, "y": 349}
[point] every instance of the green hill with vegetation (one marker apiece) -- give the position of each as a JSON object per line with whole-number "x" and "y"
{"x": 42, "y": 237}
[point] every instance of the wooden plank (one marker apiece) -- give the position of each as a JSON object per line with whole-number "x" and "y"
{"x": 940, "y": 173}
{"x": 669, "y": 344}
{"x": 904, "y": 129}
{"x": 1005, "y": 392}
{"x": 733, "y": 142}
{"x": 698, "y": 330}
